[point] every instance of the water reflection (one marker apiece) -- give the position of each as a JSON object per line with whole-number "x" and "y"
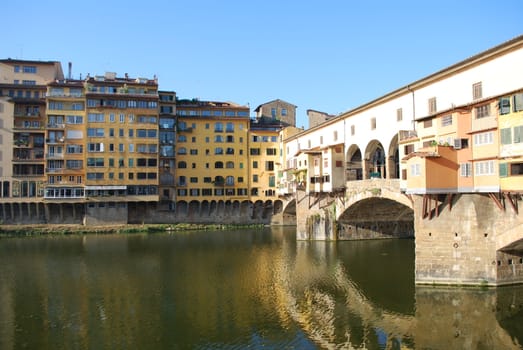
{"x": 233, "y": 290}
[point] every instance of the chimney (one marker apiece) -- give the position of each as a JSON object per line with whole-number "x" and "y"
{"x": 69, "y": 74}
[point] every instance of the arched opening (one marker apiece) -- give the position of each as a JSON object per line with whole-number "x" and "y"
{"x": 374, "y": 165}
{"x": 393, "y": 163}
{"x": 354, "y": 166}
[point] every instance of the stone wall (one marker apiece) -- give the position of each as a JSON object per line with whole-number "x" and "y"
{"x": 458, "y": 246}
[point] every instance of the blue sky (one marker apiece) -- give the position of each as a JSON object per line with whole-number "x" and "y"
{"x": 330, "y": 55}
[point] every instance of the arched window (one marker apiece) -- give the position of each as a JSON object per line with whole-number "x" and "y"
{"x": 182, "y": 150}
{"x": 229, "y": 127}
{"x": 182, "y": 138}
{"x": 218, "y": 127}
{"x": 218, "y": 165}
{"x": 218, "y": 150}
{"x": 229, "y": 180}
{"x": 218, "y": 138}
{"x": 229, "y": 165}
{"x": 182, "y": 165}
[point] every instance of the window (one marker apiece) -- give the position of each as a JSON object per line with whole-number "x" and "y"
{"x": 218, "y": 138}
{"x": 446, "y": 120}
{"x": 415, "y": 170}
{"x": 218, "y": 127}
{"x": 269, "y": 165}
{"x": 484, "y": 168}
{"x": 399, "y": 114}
{"x": 229, "y": 165}
{"x": 518, "y": 102}
{"x": 229, "y": 127}
{"x": 95, "y": 132}
{"x": 518, "y": 134}
{"x": 207, "y": 180}
{"x": 516, "y": 169}
{"x": 427, "y": 123}
{"x": 373, "y": 123}
{"x": 218, "y": 150}
{"x": 182, "y": 165}
{"x": 255, "y": 151}
{"x": 477, "y": 91}
{"x": 193, "y": 179}
{"x": 465, "y": 169}
{"x": 218, "y": 165}
{"x": 255, "y": 178}
{"x": 284, "y": 112}
{"x": 271, "y": 151}
{"x": 484, "y": 111}
{"x": 335, "y": 135}
{"x": 353, "y": 130}
{"x": 229, "y": 180}
{"x": 484, "y": 138}
{"x": 506, "y": 136}
{"x": 273, "y": 113}
{"x": 29, "y": 69}
{"x": 432, "y": 105}
{"x": 255, "y": 164}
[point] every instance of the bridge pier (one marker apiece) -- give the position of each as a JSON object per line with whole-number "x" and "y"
{"x": 457, "y": 241}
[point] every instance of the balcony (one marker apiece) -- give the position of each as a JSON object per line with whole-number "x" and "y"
{"x": 484, "y": 123}
{"x": 26, "y": 114}
{"x": 54, "y": 156}
{"x": 26, "y": 155}
{"x": 56, "y": 126}
{"x": 405, "y": 135}
{"x": 54, "y": 170}
{"x": 27, "y": 126}
{"x": 55, "y": 140}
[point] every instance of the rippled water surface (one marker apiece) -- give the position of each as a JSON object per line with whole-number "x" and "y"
{"x": 235, "y": 290}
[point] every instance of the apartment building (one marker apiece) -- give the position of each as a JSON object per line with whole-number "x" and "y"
{"x": 211, "y": 151}
{"x": 22, "y": 111}
{"x": 167, "y": 160}
{"x": 264, "y": 160}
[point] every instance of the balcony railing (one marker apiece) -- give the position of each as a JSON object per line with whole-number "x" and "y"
{"x": 55, "y": 140}
{"x": 407, "y": 135}
{"x": 55, "y": 126}
{"x": 55, "y": 156}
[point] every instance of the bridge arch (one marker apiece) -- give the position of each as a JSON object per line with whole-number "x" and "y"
{"x": 375, "y": 209}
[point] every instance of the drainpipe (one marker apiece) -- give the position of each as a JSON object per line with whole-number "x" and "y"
{"x": 413, "y": 108}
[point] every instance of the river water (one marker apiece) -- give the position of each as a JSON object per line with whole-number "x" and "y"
{"x": 243, "y": 289}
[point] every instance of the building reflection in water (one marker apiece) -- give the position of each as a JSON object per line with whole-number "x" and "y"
{"x": 238, "y": 289}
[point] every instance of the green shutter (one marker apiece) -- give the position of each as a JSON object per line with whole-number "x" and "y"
{"x": 503, "y": 170}
{"x": 506, "y": 136}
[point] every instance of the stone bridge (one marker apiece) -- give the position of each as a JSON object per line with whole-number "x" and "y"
{"x": 461, "y": 239}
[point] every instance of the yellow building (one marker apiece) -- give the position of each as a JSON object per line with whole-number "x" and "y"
{"x": 65, "y": 141}
{"x": 510, "y": 121}
{"x": 264, "y": 161}
{"x": 121, "y": 137}
{"x": 211, "y": 152}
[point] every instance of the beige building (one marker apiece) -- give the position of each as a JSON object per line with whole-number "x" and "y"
{"x": 276, "y": 112}
{"x": 22, "y": 111}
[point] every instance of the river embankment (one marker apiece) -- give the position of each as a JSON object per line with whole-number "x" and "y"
{"x": 38, "y": 230}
